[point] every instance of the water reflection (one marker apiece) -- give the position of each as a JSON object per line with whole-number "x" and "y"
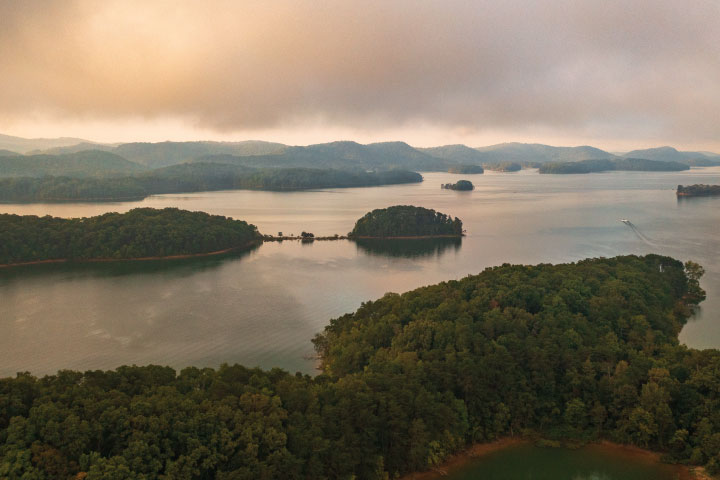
{"x": 179, "y": 266}
{"x": 409, "y": 248}
{"x": 701, "y": 200}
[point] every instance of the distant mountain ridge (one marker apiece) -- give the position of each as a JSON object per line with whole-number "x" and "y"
{"x": 346, "y": 154}
{"x": 670, "y": 154}
{"x": 87, "y": 163}
{"x": 164, "y": 154}
{"x": 25, "y": 145}
{"x": 539, "y": 153}
{"x": 457, "y": 153}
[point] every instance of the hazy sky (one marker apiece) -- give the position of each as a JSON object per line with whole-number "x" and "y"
{"x": 618, "y": 74}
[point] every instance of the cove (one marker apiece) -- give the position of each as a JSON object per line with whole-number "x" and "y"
{"x": 594, "y": 462}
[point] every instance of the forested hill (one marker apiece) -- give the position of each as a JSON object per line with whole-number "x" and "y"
{"x": 87, "y": 163}
{"x": 139, "y": 233}
{"x": 195, "y": 177}
{"x": 342, "y": 155}
{"x": 670, "y": 154}
{"x": 580, "y": 351}
{"x": 406, "y": 221}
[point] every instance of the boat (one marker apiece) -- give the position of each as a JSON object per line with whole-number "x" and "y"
{"x": 625, "y": 221}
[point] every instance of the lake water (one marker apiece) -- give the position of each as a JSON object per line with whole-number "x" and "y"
{"x": 262, "y": 308}
{"x": 532, "y": 463}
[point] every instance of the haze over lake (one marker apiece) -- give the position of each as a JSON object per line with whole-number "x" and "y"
{"x": 263, "y": 307}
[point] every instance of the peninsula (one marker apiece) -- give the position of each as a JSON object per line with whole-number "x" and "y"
{"x": 140, "y": 234}
{"x": 407, "y": 381}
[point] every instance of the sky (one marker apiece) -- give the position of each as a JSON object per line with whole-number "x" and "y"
{"x": 616, "y": 74}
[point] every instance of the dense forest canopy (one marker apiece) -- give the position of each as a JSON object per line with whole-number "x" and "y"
{"x": 192, "y": 177}
{"x": 406, "y": 221}
{"x": 698, "y": 190}
{"x": 580, "y": 351}
{"x": 619, "y": 164}
{"x": 141, "y": 232}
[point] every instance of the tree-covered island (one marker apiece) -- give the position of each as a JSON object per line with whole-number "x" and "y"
{"x": 406, "y": 221}
{"x": 138, "y": 234}
{"x": 578, "y": 352}
{"x": 698, "y": 190}
{"x": 461, "y": 185}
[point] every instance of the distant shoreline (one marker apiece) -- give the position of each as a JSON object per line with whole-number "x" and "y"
{"x": 408, "y": 237}
{"x": 478, "y": 450}
{"x": 273, "y": 238}
{"x": 134, "y": 259}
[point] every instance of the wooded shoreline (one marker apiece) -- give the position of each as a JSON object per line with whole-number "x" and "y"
{"x": 478, "y": 450}
{"x": 272, "y": 238}
{"x": 408, "y": 237}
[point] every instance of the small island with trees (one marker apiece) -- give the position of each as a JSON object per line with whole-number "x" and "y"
{"x": 467, "y": 169}
{"x": 461, "y": 185}
{"x": 406, "y": 221}
{"x": 140, "y": 234}
{"x": 698, "y": 190}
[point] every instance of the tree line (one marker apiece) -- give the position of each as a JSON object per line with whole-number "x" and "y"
{"x": 580, "y": 351}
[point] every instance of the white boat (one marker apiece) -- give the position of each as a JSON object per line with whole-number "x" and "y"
{"x": 625, "y": 220}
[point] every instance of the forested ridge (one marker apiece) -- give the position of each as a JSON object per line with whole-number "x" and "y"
{"x": 141, "y": 232}
{"x": 406, "y": 221}
{"x": 579, "y": 351}
{"x": 191, "y": 177}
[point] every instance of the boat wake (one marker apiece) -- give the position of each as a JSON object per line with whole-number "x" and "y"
{"x": 638, "y": 233}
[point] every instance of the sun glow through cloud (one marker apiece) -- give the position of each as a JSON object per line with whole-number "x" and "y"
{"x": 613, "y": 74}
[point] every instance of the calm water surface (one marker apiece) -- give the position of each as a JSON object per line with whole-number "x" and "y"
{"x": 533, "y": 463}
{"x": 263, "y": 307}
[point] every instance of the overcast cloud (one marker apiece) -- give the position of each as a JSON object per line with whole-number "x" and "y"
{"x": 640, "y": 70}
